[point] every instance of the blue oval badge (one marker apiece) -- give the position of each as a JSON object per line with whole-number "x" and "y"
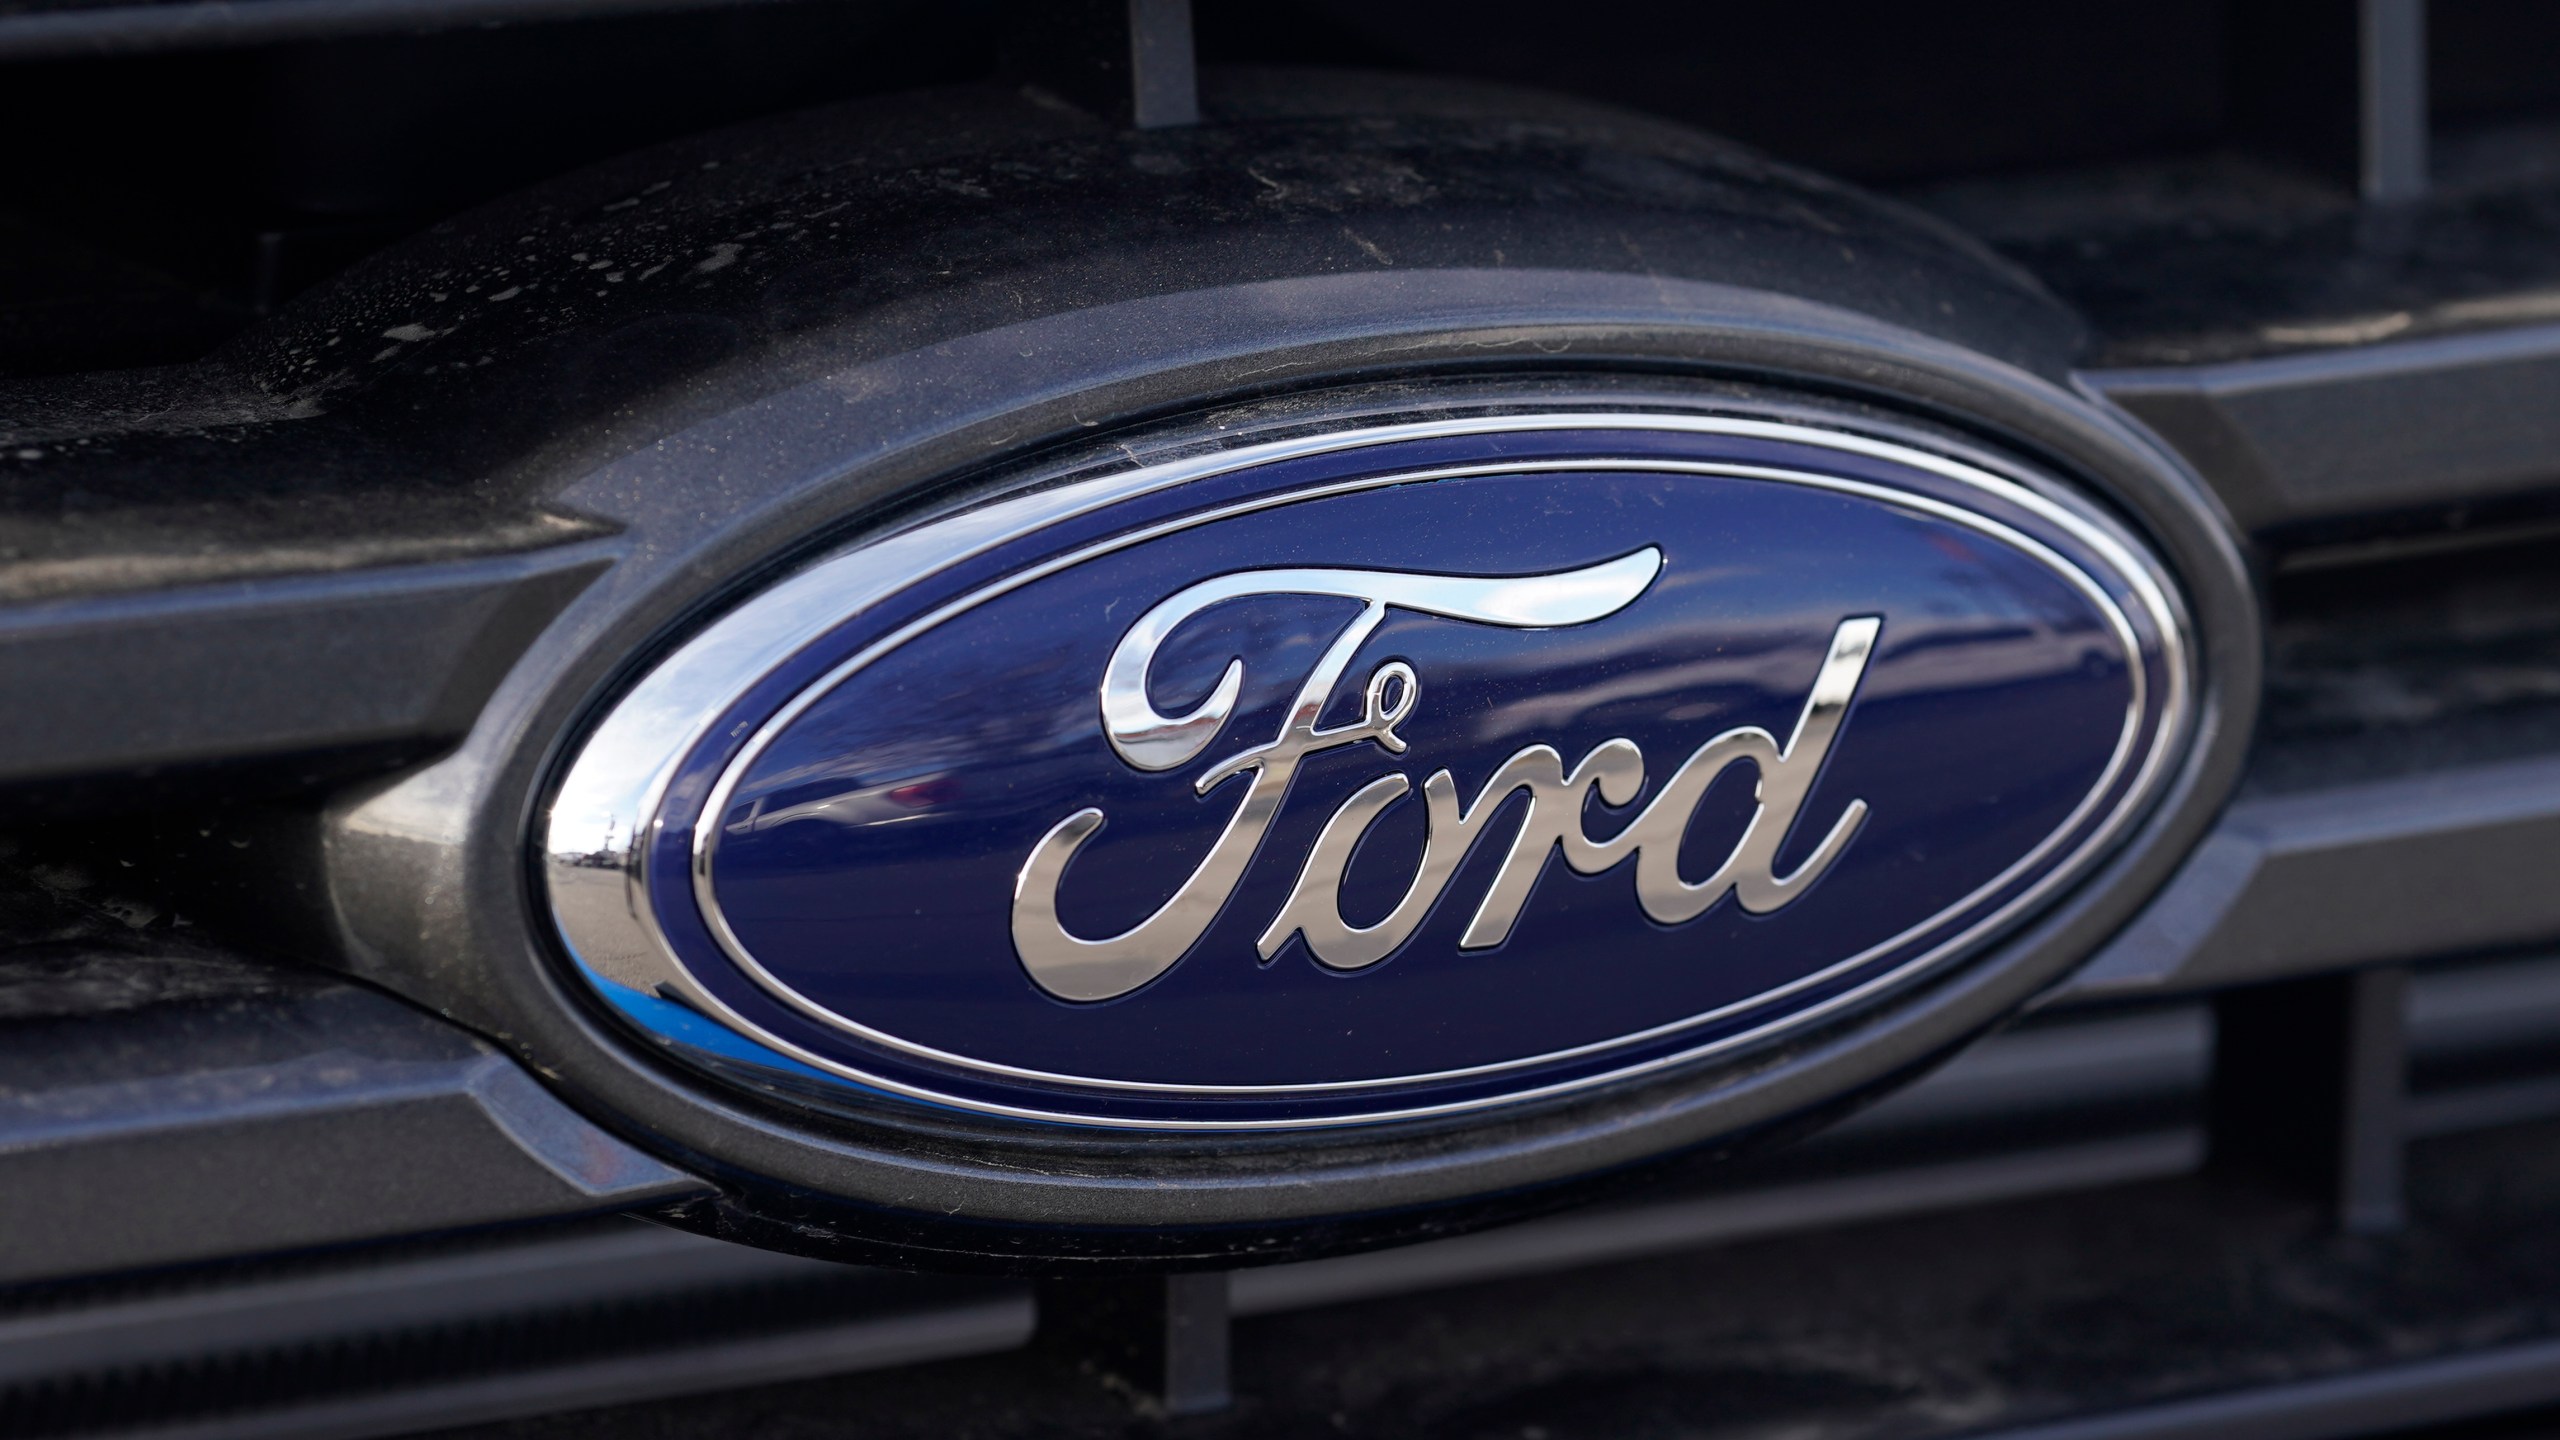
{"x": 1371, "y": 775}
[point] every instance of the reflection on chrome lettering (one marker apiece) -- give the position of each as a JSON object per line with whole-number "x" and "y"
{"x": 1073, "y": 968}
{"x": 1615, "y": 768}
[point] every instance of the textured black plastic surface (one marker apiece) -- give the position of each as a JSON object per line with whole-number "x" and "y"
{"x": 2179, "y": 1308}
{"x": 388, "y": 663}
{"x": 2220, "y": 255}
{"x": 482, "y": 1328}
{"x": 164, "y": 1101}
{"x": 2419, "y": 425}
{"x": 2430, "y": 864}
{"x": 378, "y": 1338}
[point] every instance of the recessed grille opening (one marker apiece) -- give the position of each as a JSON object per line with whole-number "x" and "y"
{"x": 362, "y": 1359}
{"x": 2116, "y": 148}
{"x": 2485, "y": 1044}
{"x": 2490, "y": 61}
{"x": 2446, "y": 656}
{"x": 75, "y": 944}
{"x": 179, "y": 197}
{"x": 1864, "y": 89}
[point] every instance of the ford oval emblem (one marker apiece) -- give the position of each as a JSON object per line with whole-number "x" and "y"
{"x": 1371, "y": 775}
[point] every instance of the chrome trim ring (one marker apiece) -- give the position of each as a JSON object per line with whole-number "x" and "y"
{"x": 620, "y": 774}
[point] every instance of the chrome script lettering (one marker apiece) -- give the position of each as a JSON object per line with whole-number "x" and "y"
{"x": 1615, "y": 769}
{"x": 1074, "y": 968}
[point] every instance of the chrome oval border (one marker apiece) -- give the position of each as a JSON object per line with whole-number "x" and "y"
{"x": 619, "y": 775}
{"x": 706, "y": 834}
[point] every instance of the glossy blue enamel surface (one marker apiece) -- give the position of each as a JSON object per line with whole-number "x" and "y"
{"x": 866, "y": 854}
